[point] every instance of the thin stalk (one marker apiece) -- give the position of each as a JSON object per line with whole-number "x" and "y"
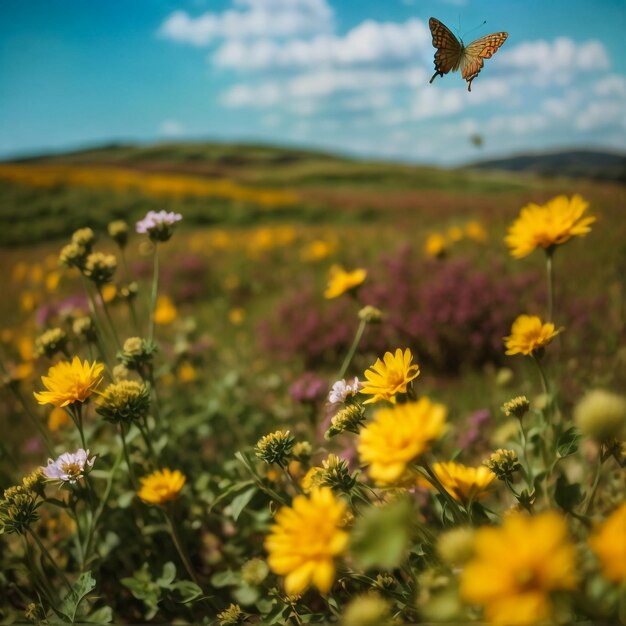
{"x": 179, "y": 546}
{"x": 524, "y": 442}
{"x": 542, "y": 376}
{"x": 75, "y": 412}
{"x": 430, "y": 475}
{"x": 352, "y": 350}
{"x": 155, "y": 290}
{"x": 146, "y": 438}
{"x": 52, "y": 562}
{"x": 594, "y": 487}
{"x": 131, "y": 472}
{"x": 100, "y": 334}
{"x": 109, "y": 319}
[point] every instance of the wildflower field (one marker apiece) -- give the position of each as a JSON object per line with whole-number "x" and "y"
{"x": 253, "y": 386}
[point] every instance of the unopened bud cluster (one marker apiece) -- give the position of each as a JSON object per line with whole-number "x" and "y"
{"x": 50, "y": 342}
{"x": 276, "y": 447}
{"x": 503, "y": 463}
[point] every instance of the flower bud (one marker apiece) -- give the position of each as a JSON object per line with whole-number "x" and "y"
{"x": 275, "y": 447}
{"x": 50, "y": 342}
{"x": 503, "y": 463}
{"x": 100, "y": 267}
{"x": 456, "y": 546}
{"x": 517, "y": 407}
{"x": 601, "y": 415}
{"x": 118, "y": 231}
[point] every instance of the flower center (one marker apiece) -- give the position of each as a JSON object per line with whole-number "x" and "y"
{"x": 73, "y": 470}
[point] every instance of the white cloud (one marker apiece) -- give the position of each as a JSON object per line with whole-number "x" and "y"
{"x": 557, "y": 62}
{"x": 369, "y": 42}
{"x": 602, "y": 114}
{"x": 613, "y": 85}
{"x": 319, "y": 84}
{"x": 252, "y": 18}
{"x": 171, "y": 128}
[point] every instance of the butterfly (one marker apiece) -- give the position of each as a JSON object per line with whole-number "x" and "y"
{"x": 452, "y": 54}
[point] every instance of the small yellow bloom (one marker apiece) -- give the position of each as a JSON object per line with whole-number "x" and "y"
{"x": 464, "y": 484}
{"x": 52, "y": 281}
{"x": 67, "y": 382}
{"x": 165, "y": 312}
{"x": 187, "y": 373}
{"x": 58, "y": 417}
{"x": 455, "y": 233}
{"x": 161, "y": 486}
{"x": 608, "y": 541}
{"x": 27, "y": 301}
{"x": 476, "y": 232}
{"x": 340, "y": 281}
{"x": 237, "y": 316}
{"x": 316, "y": 250}
{"x": 391, "y": 376}
{"x": 399, "y": 435}
{"x": 109, "y": 291}
{"x": 436, "y": 245}
{"x": 305, "y": 540}
{"x": 529, "y": 334}
{"x": 549, "y": 225}
{"x": 517, "y": 566}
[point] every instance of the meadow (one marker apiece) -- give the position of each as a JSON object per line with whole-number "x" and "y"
{"x": 232, "y": 471}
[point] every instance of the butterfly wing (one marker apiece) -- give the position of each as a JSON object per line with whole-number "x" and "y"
{"x": 448, "y": 55}
{"x": 474, "y": 55}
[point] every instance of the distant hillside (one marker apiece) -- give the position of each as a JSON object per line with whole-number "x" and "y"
{"x": 571, "y": 163}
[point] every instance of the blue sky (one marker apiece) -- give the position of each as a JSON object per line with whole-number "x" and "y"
{"x": 345, "y": 75}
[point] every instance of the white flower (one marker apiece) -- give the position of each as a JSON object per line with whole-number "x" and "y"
{"x": 342, "y": 390}
{"x": 158, "y": 223}
{"x": 69, "y": 467}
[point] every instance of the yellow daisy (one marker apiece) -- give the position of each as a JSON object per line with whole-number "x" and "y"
{"x": 465, "y": 484}
{"x": 529, "y": 334}
{"x": 306, "y": 539}
{"x": 161, "y": 486}
{"x": 608, "y": 541}
{"x": 391, "y": 376}
{"x": 549, "y": 225}
{"x": 515, "y": 568}
{"x": 340, "y": 281}
{"x": 67, "y": 382}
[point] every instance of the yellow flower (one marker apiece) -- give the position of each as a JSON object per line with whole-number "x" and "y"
{"x": 58, "y": 417}
{"x": 165, "y": 312}
{"x": 316, "y": 250}
{"x": 109, "y": 292}
{"x": 340, "y": 281}
{"x": 476, "y": 231}
{"x": 187, "y": 373}
{"x": 455, "y": 233}
{"x": 436, "y": 245}
{"x": 529, "y": 334}
{"x": 161, "y": 486}
{"x": 398, "y": 435}
{"x": 390, "y": 376}
{"x": 67, "y": 382}
{"x": 549, "y": 225}
{"x": 517, "y": 566}
{"x": 237, "y": 316}
{"x": 608, "y": 541}
{"x": 305, "y": 540}
{"x": 464, "y": 484}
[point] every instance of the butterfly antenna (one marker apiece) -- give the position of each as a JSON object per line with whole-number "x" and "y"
{"x": 476, "y": 27}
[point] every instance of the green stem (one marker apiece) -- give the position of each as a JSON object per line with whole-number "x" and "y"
{"x": 131, "y": 471}
{"x": 155, "y": 291}
{"x": 352, "y": 350}
{"x": 109, "y": 319}
{"x": 596, "y": 482}
{"x": 75, "y": 412}
{"x": 529, "y": 468}
{"x": 52, "y": 562}
{"x": 435, "y": 482}
{"x": 179, "y": 546}
{"x": 96, "y": 517}
{"x": 100, "y": 335}
{"x": 145, "y": 436}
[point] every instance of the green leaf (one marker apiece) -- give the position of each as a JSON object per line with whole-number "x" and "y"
{"x": 246, "y": 595}
{"x": 225, "y": 578}
{"x": 80, "y": 590}
{"x": 567, "y": 443}
{"x": 187, "y": 591}
{"x": 381, "y": 535}
{"x": 168, "y": 575}
{"x": 103, "y": 615}
{"x": 567, "y": 495}
{"x": 240, "y": 502}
